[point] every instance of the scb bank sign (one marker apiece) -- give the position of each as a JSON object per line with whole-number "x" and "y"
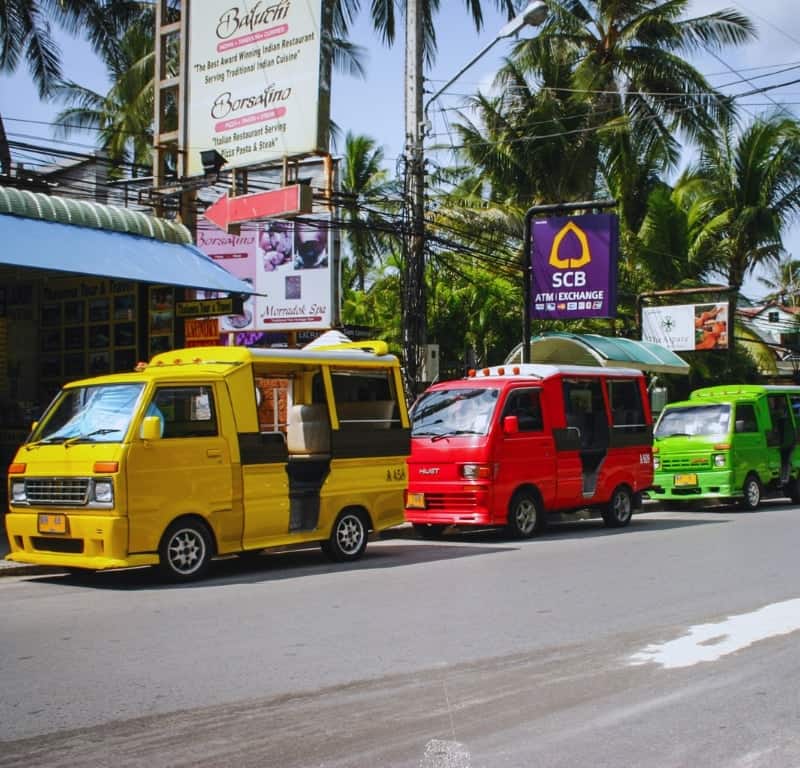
{"x": 574, "y": 267}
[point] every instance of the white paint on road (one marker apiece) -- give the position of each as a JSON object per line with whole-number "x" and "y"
{"x": 445, "y": 754}
{"x": 710, "y": 642}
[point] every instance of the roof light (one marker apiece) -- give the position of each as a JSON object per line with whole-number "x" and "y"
{"x": 485, "y": 371}
{"x": 501, "y": 371}
{"x": 471, "y": 372}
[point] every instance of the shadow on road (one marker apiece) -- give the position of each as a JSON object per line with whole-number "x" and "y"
{"x": 278, "y": 566}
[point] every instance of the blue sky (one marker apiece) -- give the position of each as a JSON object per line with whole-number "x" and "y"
{"x": 374, "y": 106}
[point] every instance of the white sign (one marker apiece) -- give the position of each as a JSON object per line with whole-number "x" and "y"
{"x": 291, "y": 266}
{"x": 258, "y": 81}
{"x": 687, "y": 327}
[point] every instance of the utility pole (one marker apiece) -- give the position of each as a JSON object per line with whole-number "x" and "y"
{"x": 414, "y": 309}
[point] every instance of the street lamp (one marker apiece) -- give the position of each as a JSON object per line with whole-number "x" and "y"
{"x": 414, "y": 317}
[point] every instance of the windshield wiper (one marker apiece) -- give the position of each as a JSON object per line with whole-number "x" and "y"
{"x": 78, "y": 438}
{"x": 46, "y": 441}
{"x": 455, "y": 432}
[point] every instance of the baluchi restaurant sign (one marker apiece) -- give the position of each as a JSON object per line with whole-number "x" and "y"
{"x": 574, "y": 265}
{"x": 258, "y": 81}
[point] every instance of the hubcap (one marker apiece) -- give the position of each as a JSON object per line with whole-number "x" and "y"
{"x": 622, "y": 506}
{"x": 526, "y": 516}
{"x": 350, "y": 534}
{"x": 186, "y": 551}
{"x": 752, "y": 493}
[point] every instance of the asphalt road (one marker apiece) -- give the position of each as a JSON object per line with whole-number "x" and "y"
{"x": 673, "y": 642}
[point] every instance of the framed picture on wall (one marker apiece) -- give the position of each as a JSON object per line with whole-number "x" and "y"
{"x": 51, "y": 315}
{"x": 160, "y": 344}
{"x": 99, "y": 362}
{"x": 125, "y": 307}
{"x": 124, "y": 359}
{"x": 125, "y": 334}
{"x": 74, "y": 365}
{"x": 74, "y": 337}
{"x": 99, "y": 336}
{"x": 51, "y": 340}
{"x": 51, "y": 366}
{"x": 74, "y": 312}
{"x": 98, "y": 310}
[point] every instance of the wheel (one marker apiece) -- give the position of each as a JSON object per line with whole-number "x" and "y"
{"x": 348, "y": 538}
{"x": 525, "y": 515}
{"x": 185, "y": 550}
{"x": 429, "y": 531}
{"x": 752, "y": 493}
{"x": 620, "y": 508}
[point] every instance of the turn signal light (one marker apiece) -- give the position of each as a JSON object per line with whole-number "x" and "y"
{"x": 101, "y": 467}
{"x": 17, "y": 468}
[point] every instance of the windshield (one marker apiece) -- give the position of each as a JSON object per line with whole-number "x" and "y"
{"x": 100, "y": 413}
{"x": 694, "y": 420}
{"x": 445, "y": 412}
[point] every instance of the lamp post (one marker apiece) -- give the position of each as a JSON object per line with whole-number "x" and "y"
{"x": 415, "y": 304}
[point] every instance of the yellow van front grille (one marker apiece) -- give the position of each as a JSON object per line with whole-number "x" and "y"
{"x": 62, "y": 491}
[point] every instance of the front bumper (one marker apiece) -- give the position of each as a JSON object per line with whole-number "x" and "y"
{"x": 713, "y": 484}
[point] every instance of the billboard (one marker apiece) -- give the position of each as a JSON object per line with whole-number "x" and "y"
{"x": 574, "y": 267}
{"x": 291, "y": 266}
{"x": 687, "y": 327}
{"x": 258, "y": 80}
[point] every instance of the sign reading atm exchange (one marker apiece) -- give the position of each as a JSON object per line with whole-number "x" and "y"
{"x": 208, "y": 307}
{"x": 574, "y": 267}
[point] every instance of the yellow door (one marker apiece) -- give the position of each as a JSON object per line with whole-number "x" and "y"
{"x": 187, "y": 471}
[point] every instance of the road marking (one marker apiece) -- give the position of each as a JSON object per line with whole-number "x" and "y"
{"x": 445, "y": 754}
{"x": 710, "y": 642}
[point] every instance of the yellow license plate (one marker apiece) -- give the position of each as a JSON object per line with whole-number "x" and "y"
{"x": 686, "y": 479}
{"x": 415, "y": 501}
{"x": 52, "y": 523}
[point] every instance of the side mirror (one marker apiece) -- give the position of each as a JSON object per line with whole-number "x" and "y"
{"x": 510, "y": 425}
{"x": 739, "y": 425}
{"x": 151, "y": 428}
{"x": 34, "y": 425}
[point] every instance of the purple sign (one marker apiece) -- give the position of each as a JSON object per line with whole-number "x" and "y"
{"x": 574, "y": 267}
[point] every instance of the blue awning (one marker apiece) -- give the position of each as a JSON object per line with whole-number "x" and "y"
{"x": 52, "y": 246}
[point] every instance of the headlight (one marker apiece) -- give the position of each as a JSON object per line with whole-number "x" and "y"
{"x": 104, "y": 491}
{"x": 18, "y": 491}
{"x": 656, "y": 461}
{"x": 719, "y": 459}
{"x": 476, "y": 471}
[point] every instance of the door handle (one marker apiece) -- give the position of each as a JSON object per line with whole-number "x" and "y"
{"x": 214, "y": 453}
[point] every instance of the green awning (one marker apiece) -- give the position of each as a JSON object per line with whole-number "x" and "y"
{"x": 605, "y": 351}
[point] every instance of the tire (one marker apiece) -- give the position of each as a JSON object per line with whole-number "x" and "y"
{"x": 429, "y": 531}
{"x": 348, "y": 538}
{"x": 525, "y": 515}
{"x": 752, "y": 493}
{"x": 185, "y": 551}
{"x": 620, "y": 508}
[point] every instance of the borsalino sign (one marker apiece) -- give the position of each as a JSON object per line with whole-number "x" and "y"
{"x": 258, "y": 80}
{"x": 574, "y": 267}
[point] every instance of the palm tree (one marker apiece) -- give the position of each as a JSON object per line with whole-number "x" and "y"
{"x": 25, "y": 33}
{"x": 783, "y": 283}
{"x": 627, "y": 65}
{"x": 124, "y": 115}
{"x": 364, "y": 190}
{"x": 748, "y": 187}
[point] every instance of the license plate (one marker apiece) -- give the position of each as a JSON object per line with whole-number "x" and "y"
{"x": 686, "y": 479}
{"x": 52, "y": 523}
{"x": 415, "y": 501}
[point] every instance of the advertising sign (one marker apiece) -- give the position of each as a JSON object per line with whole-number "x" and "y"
{"x": 290, "y": 265}
{"x": 574, "y": 266}
{"x": 258, "y": 81}
{"x": 686, "y": 327}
